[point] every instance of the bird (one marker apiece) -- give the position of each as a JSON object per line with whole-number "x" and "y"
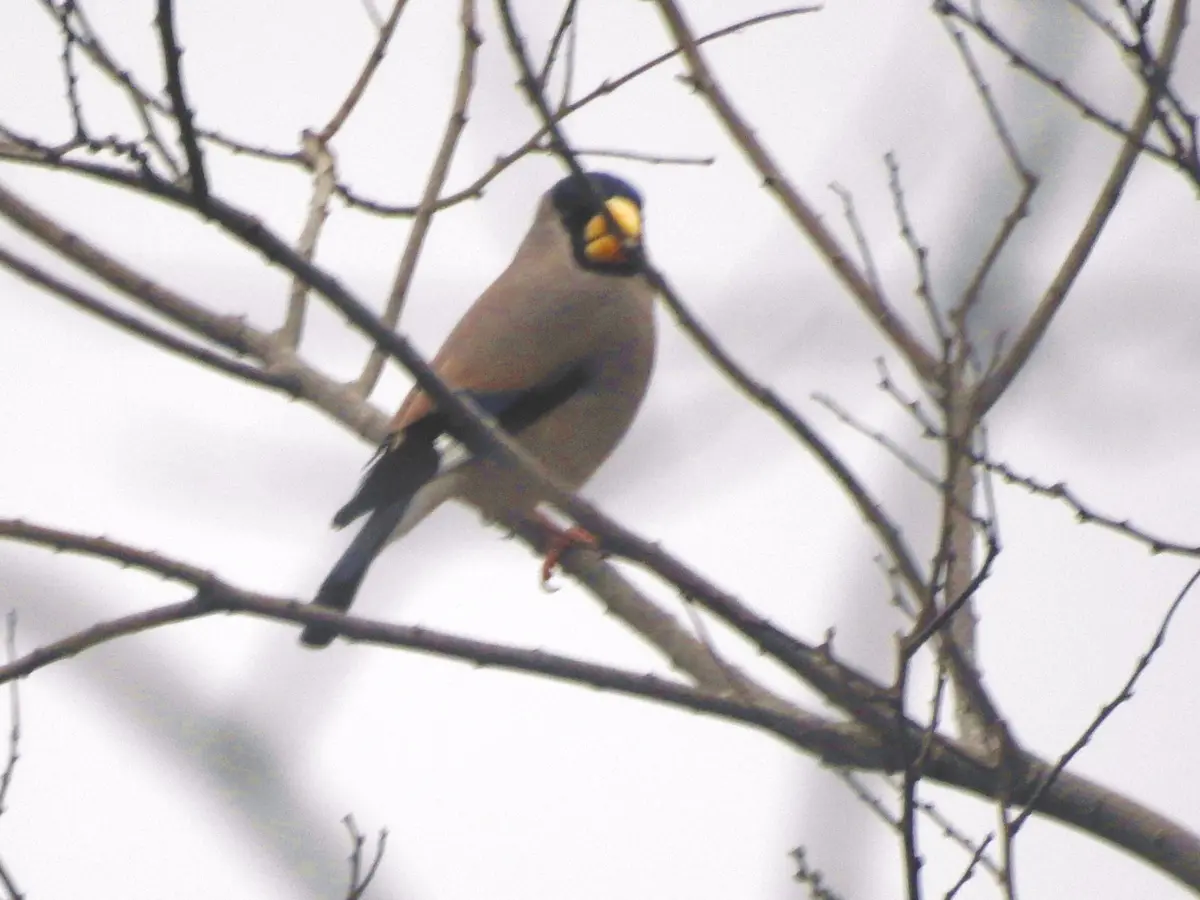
{"x": 559, "y": 350}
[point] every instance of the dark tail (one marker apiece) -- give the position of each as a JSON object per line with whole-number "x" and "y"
{"x": 339, "y": 587}
{"x": 400, "y": 469}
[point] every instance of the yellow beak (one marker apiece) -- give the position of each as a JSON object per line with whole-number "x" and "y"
{"x": 603, "y": 246}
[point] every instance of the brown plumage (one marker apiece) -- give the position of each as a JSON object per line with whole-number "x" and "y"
{"x": 559, "y": 349}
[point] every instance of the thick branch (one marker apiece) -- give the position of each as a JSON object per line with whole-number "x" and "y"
{"x": 156, "y": 336}
{"x": 1067, "y": 797}
{"x": 832, "y": 742}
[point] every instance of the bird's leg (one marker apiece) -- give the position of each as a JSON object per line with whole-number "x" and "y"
{"x": 558, "y": 540}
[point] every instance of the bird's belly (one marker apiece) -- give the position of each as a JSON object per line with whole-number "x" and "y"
{"x": 571, "y": 443}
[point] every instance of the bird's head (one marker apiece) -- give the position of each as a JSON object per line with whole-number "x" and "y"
{"x": 596, "y": 247}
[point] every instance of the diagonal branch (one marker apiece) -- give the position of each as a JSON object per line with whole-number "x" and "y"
{"x": 14, "y": 715}
{"x": 840, "y": 683}
{"x": 623, "y": 600}
{"x": 433, "y": 189}
{"x": 156, "y": 336}
{"x": 386, "y": 29}
{"x": 800, "y": 657}
{"x": 230, "y": 332}
{"x": 874, "y": 304}
{"x": 1124, "y": 696}
{"x": 993, "y": 387}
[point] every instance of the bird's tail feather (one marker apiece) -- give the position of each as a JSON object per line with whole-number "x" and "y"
{"x": 339, "y": 587}
{"x": 425, "y": 501}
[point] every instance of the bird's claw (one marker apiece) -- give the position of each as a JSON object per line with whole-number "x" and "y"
{"x": 559, "y": 542}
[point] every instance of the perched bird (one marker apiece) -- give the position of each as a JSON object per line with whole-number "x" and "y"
{"x": 558, "y": 350}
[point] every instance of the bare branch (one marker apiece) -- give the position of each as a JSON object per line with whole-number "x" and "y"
{"x": 288, "y": 384}
{"x": 808, "y": 662}
{"x": 360, "y": 881}
{"x": 70, "y": 74}
{"x": 872, "y": 303}
{"x": 14, "y": 714}
{"x": 144, "y": 102}
{"x": 565, "y": 22}
{"x": 433, "y": 189}
{"x": 1003, "y": 134}
{"x": 475, "y": 189}
{"x": 860, "y": 237}
{"x": 1057, "y": 86}
{"x": 624, "y": 601}
{"x": 232, "y": 333}
{"x": 172, "y": 54}
{"x": 835, "y": 743}
{"x": 976, "y": 858}
{"x": 324, "y": 181}
{"x": 370, "y": 66}
{"x": 993, "y": 387}
{"x": 811, "y": 877}
{"x": 920, "y": 253}
{"x": 235, "y": 335}
{"x": 1125, "y": 695}
{"x": 881, "y": 438}
{"x": 648, "y": 158}
{"x": 1029, "y": 184}
{"x": 7, "y": 880}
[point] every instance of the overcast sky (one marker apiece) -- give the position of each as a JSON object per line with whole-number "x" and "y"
{"x": 217, "y": 758}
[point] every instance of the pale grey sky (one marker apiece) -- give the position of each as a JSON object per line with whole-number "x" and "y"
{"x": 217, "y": 758}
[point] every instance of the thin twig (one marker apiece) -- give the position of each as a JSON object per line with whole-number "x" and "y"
{"x": 1084, "y": 513}
{"x": 370, "y": 67}
{"x": 144, "y": 102}
{"x": 811, "y": 877}
{"x": 475, "y": 189}
{"x": 860, "y": 237}
{"x": 920, "y": 253}
{"x": 568, "y": 81}
{"x": 564, "y": 23}
{"x": 172, "y": 54}
{"x": 1008, "y": 852}
{"x": 1003, "y": 133}
{"x": 1124, "y": 696}
{"x": 433, "y": 189}
{"x": 976, "y": 858}
{"x": 648, "y": 158}
{"x": 7, "y": 880}
{"x": 324, "y": 181}
{"x": 70, "y": 74}
{"x": 947, "y": 828}
{"x": 901, "y": 455}
{"x": 1055, "y": 85}
{"x": 1029, "y": 183}
{"x": 14, "y": 713}
{"x": 360, "y": 881}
